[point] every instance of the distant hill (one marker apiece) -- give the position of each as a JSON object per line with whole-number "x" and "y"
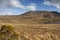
{"x": 41, "y": 14}
{"x": 33, "y": 17}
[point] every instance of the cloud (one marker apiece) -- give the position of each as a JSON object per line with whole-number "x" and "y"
{"x": 55, "y": 3}
{"x": 47, "y": 3}
{"x": 11, "y": 3}
{"x": 7, "y": 13}
{"x": 31, "y": 7}
{"x": 17, "y": 4}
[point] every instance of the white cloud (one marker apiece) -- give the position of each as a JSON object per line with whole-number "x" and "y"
{"x": 17, "y": 4}
{"x": 47, "y": 3}
{"x": 55, "y": 3}
{"x": 31, "y": 7}
{"x": 7, "y": 13}
{"x": 11, "y": 3}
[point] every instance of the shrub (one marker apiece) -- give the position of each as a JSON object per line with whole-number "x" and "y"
{"x": 7, "y": 33}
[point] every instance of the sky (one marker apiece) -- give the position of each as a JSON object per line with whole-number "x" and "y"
{"x": 16, "y": 7}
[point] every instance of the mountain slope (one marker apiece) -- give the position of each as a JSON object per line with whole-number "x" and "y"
{"x": 41, "y": 14}
{"x": 33, "y": 17}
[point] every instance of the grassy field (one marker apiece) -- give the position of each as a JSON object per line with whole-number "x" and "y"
{"x": 36, "y": 31}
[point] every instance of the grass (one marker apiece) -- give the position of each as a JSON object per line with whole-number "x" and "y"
{"x": 36, "y": 31}
{"x": 7, "y": 33}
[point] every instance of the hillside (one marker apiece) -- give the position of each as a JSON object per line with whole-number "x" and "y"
{"x": 40, "y": 14}
{"x": 33, "y": 25}
{"x": 33, "y": 17}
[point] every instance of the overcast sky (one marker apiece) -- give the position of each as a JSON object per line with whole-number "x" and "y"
{"x": 15, "y": 7}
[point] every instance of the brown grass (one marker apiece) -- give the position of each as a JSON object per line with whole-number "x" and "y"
{"x": 36, "y": 31}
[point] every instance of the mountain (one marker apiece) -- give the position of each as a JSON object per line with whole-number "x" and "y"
{"x": 41, "y": 14}
{"x": 33, "y": 17}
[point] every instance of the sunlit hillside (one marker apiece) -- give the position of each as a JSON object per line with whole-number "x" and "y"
{"x": 33, "y": 17}
{"x": 35, "y": 25}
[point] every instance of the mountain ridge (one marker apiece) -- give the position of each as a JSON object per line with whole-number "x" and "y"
{"x": 39, "y": 13}
{"x": 33, "y": 17}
